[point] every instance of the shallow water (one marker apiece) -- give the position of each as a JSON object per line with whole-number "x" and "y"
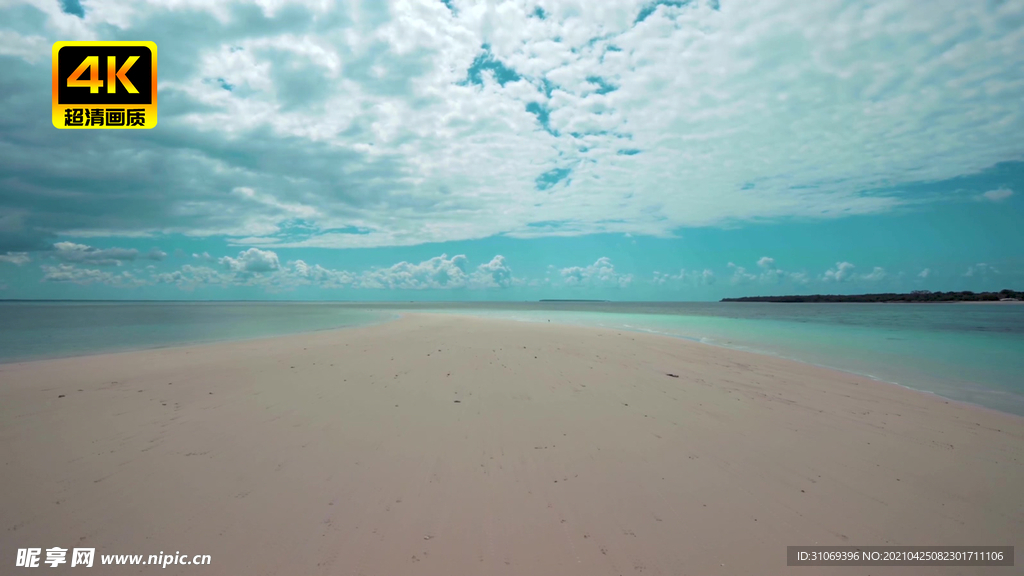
{"x": 972, "y": 353}
{"x": 33, "y": 330}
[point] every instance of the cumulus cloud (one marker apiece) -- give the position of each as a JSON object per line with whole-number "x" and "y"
{"x": 740, "y": 274}
{"x": 601, "y": 273}
{"x": 251, "y": 260}
{"x": 769, "y": 273}
{"x": 319, "y": 276}
{"x": 877, "y": 273}
{"x": 387, "y": 125}
{"x": 81, "y": 253}
{"x": 156, "y": 254}
{"x": 494, "y": 274}
{"x": 68, "y": 273}
{"x": 980, "y": 269}
{"x": 190, "y": 277}
{"x": 997, "y": 195}
{"x": 705, "y": 277}
{"x": 844, "y": 272}
{"x": 16, "y": 258}
{"x": 264, "y": 269}
{"x": 841, "y": 273}
{"x": 256, "y": 267}
{"x": 437, "y": 272}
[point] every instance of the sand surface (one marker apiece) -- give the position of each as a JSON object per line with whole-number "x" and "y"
{"x": 446, "y": 445}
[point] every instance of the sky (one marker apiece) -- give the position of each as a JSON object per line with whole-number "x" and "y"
{"x": 517, "y": 150}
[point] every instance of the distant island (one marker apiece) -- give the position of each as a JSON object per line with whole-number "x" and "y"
{"x": 915, "y": 296}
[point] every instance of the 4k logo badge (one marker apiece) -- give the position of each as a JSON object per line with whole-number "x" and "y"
{"x": 104, "y": 85}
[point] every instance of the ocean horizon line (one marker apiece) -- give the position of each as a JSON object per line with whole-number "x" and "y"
{"x": 548, "y": 300}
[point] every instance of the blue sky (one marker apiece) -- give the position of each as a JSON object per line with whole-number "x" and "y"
{"x": 515, "y": 150}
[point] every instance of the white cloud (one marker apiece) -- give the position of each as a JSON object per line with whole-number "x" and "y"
{"x": 71, "y": 274}
{"x": 494, "y": 274}
{"x": 980, "y": 269}
{"x": 31, "y": 48}
{"x": 740, "y": 274}
{"x": 599, "y": 274}
{"x": 319, "y": 276}
{"x": 437, "y": 272}
{"x": 81, "y": 253}
{"x": 799, "y": 277}
{"x": 204, "y": 257}
{"x": 841, "y": 273}
{"x": 189, "y": 277}
{"x": 877, "y": 273}
{"x": 705, "y": 277}
{"x": 762, "y": 109}
{"x": 260, "y": 268}
{"x": 156, "y": 254}
{"x": 255, "y": 267}
{"x": 16, "y": 258}
{"x": 997, "y": 195}
{"x": 770, "y": 273}
{"x": 251, "y": 260}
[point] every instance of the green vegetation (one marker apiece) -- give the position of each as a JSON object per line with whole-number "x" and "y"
{"x": 915, "y": 296}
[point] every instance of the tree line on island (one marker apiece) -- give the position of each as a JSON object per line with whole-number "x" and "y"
{"x": 915, "y": 296}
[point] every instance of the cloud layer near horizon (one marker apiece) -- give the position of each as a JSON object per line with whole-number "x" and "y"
{"x": 263, "y": 268}
{"x": 357, "y": 124}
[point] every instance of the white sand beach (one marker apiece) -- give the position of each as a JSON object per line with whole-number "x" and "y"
{"x": 449, "y": 445}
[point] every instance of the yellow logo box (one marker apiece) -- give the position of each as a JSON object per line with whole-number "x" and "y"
{"x": 104, "y": 85}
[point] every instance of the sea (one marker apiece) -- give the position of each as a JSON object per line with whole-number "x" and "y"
{"x": 966, "y": 352}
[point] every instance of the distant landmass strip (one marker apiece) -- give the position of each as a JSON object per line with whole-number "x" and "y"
{"x": 915, "y": 296}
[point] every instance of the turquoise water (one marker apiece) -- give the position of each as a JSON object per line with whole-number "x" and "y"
{"x": 966, "y": 352}
{"x": 35, "y": 330}
{"x": 972, "y": 353}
